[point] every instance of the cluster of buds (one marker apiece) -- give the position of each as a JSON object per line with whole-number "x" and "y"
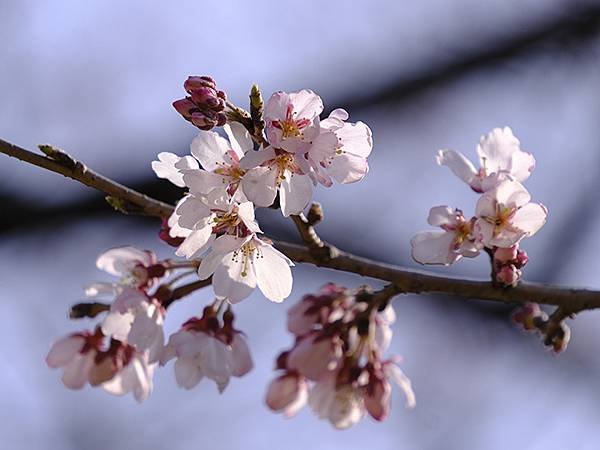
{"x": 507, "y": 264}
{"x": 504, "y": 213}
{"x": 205, "y": 104}
{"x": 128, "y": 344}
{"x": 556, "y": 334}
{"x": 336, "y": 362}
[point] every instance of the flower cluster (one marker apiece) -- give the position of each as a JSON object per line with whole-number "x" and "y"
{"x": 226, "y": 178}
{"x": 504, "y": 213}
{"x": 341, "y": 336}
{"x": 123, "y": 352}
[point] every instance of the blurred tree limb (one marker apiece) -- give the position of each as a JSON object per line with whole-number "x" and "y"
{"x": 569, "y": 300}
{"x": 581, "y": 23}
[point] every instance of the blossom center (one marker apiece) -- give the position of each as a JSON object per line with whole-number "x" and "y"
{"x": 289, "y": 126}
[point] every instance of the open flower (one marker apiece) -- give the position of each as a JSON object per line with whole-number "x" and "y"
{"x": 505, "y": 215}
{"x": 203, "y": 350}
{"x": 239, "y": 264}
{"x": 341, "y": 404}
{"x": 274, "y": 170}
{"x": 500, "y": 157}
{"x": 291, "y": 119}
{"x": 138, "y": 320}
{"x": 344, "y": 158}
{"x": 208, "y": 217}
{"x": 449, "y": 245}
{"x": 134, "y": 267}
{"x": 134, "y": 373}
{"x": 218, "y": 157}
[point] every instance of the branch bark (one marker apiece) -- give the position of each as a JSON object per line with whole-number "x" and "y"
{"x": 404, "y": 280}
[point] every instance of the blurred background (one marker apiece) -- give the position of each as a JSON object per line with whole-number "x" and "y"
{"x": 97, "y": 79}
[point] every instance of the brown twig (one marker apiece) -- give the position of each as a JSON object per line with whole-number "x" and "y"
{"x": 60, "y": 162}
{"x": 405, "y": 280}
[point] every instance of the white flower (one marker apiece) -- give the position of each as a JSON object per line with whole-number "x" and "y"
{"x": 291, "y": 119}
{"x": 239, "y": 264}
{"x": 273, "y": 170}
{"x": 135, "y": 375}
{"x": 200, "y": 354}
{"x": 219, "y": 159}
{"x": 210, "y": 216}
{"x": 447, "y": 246}
{"x": 136, "y": 319}
{"x": 500, "y": 157}
{"x": 505, "y": 216}
{"x": 345, "y": 157}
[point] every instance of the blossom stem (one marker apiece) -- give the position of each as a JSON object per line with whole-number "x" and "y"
{"x": 405, "y": 280}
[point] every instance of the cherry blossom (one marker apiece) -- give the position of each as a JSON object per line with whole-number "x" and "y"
{"x": 218, "y": 157}
{"x": 134, "y": 267}
{"x": 207, "y": 217}
{"x": 272, "y": 171}
{"x": 291, "y": 120}
{"x": 449, "y": 245}
{"x": 344, "y": 159}
{"x": 203, "y": 350}
{"x": 239, "y": 264}
{"x": 171, "y": 167}
{"x": 136, "y": 318}
{"x": 342, "y": 404}
{"x": 75, "y": 353}
{"x": 500, "y": 157}
{"x": 505, "y": 215}
{"x": 119, "y": 369}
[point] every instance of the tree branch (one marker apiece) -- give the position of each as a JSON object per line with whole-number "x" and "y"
{"x": 60, "y": 162}
{"x": 404, "y": 280}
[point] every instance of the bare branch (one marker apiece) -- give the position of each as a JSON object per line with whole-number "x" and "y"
{"x": 60, "y": 162}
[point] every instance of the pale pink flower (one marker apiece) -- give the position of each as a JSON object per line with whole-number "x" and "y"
{"x": 287, "y": 394}
{"x": 218, "y": 157}
{"x": 449, "y": 245}
{"x": 500, "y": 157}
{"x": 505, "y": 215}
{"x": 75, "y": 353}
{"x": 345, "y": 156}
{"x": 239, "y": 264}
{"x": 207, "y": 217}
{"x": 274, "y": 170}
{"x": 291, "y": 119}
{"x": 201, "y": 354}
{"x": 138, "y": 320}
{"x": 134, "y": 267}
{"x": 377, "y": 392}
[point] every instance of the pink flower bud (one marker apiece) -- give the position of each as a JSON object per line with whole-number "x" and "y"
{"x": 521, "y": 258}
{"x": 300, "y": 319}
{"x": 287, "y": 393}
{"x": 505, "y": 255}
{"x": 508, "y": 275}
{"x": 184, "y": 107}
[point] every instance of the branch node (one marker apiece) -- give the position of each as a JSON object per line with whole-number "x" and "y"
{"x": 59, "y": 156}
